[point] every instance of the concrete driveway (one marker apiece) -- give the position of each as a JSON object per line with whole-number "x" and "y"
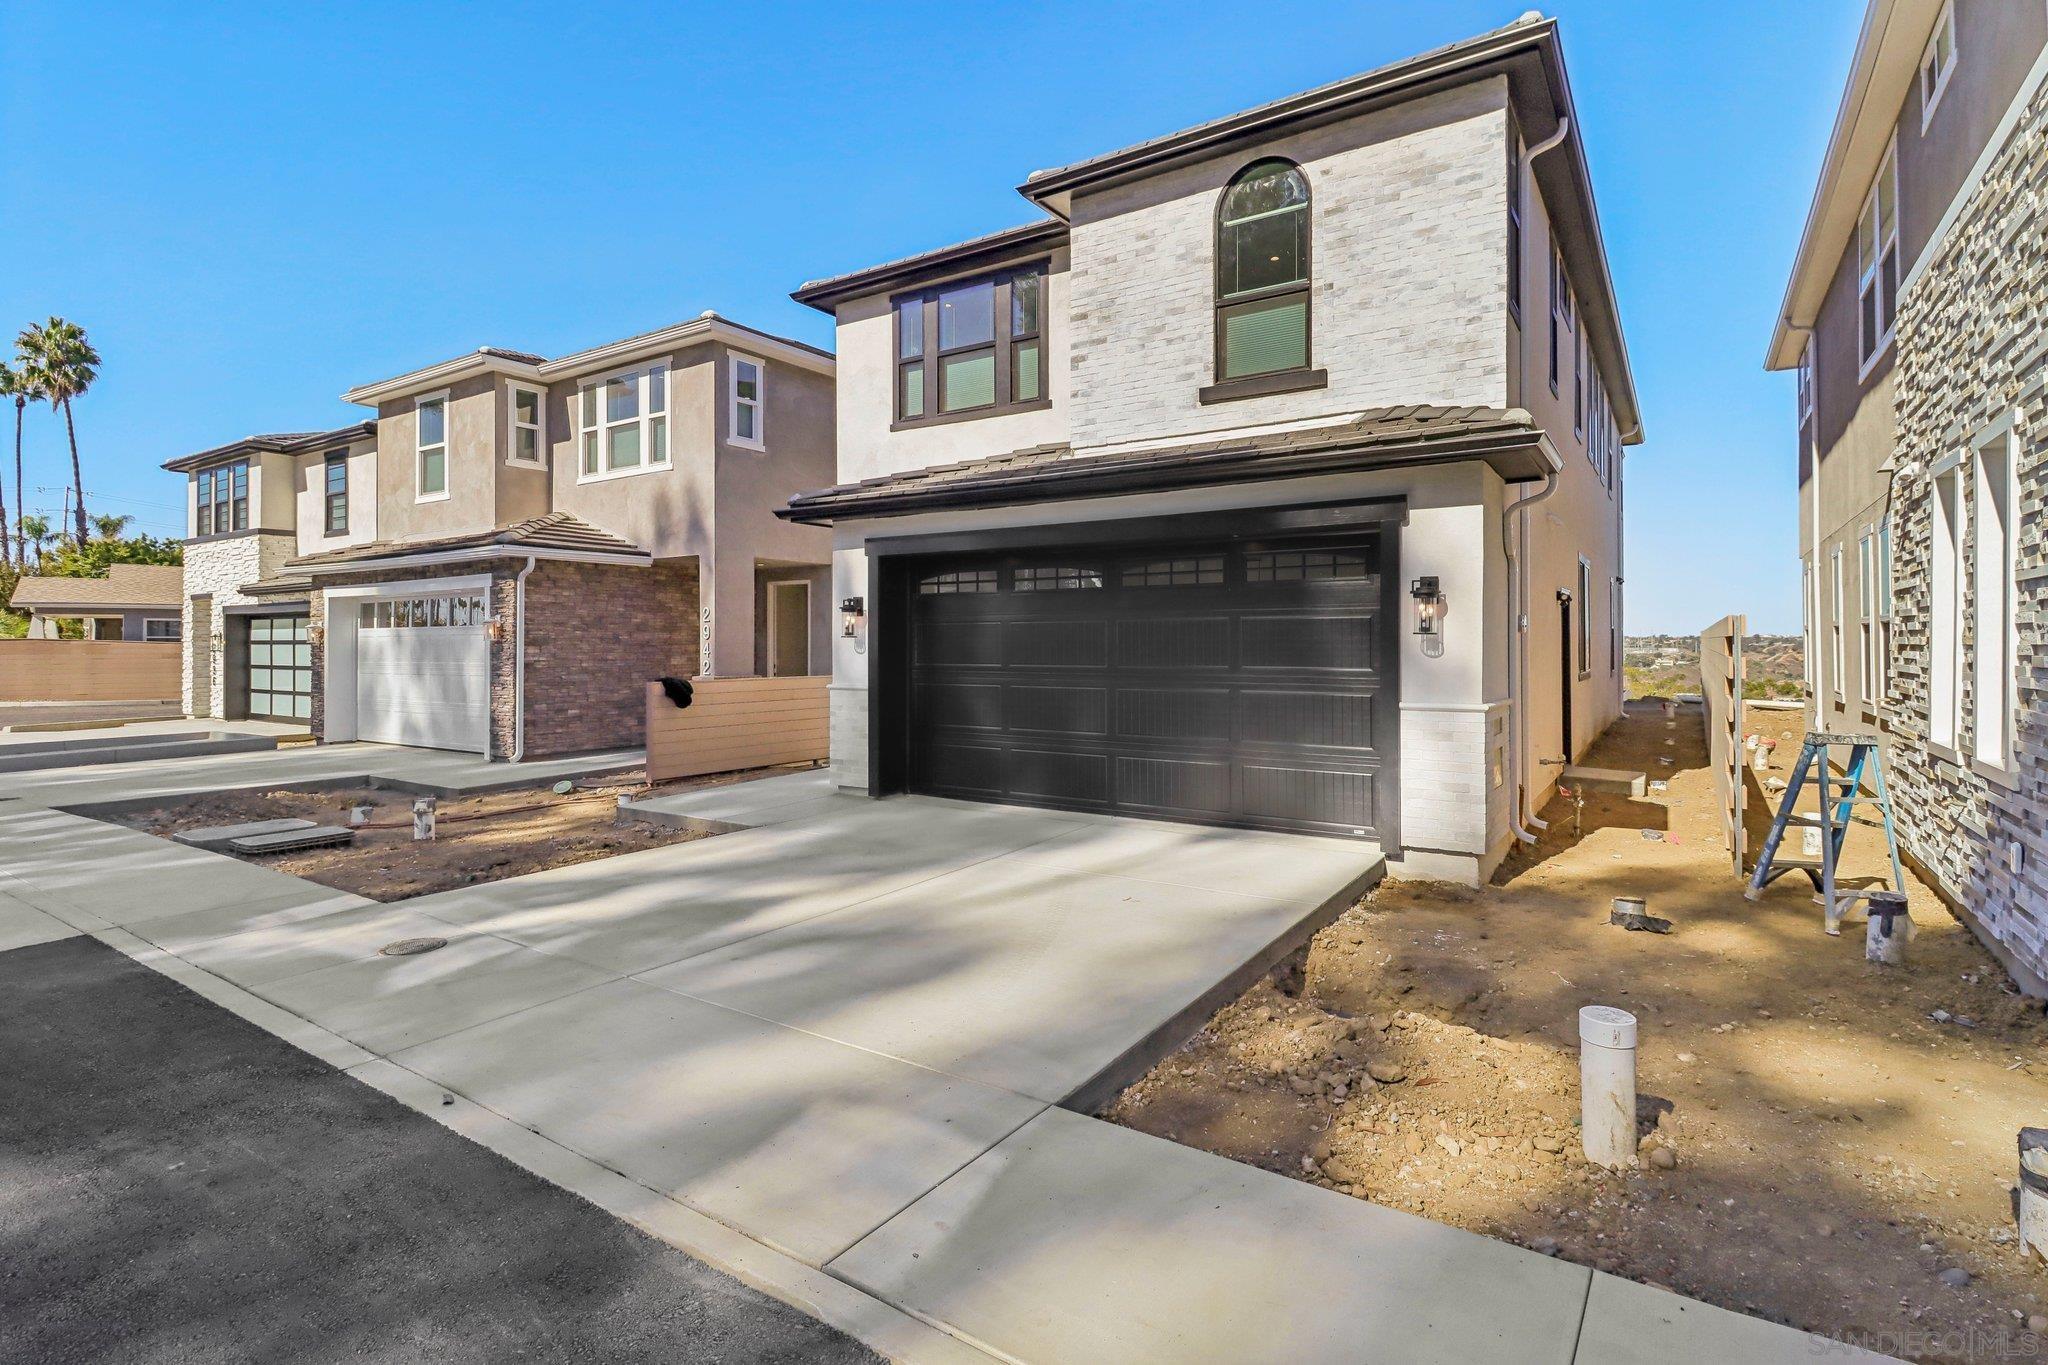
{"x": 867, "y": 1035}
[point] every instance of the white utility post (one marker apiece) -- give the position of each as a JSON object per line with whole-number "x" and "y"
{"x": 1607, "y": 1085}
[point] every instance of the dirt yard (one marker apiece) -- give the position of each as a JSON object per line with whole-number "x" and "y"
{"x": 1827, "y": 1143}
{"x": 484, "y": 838}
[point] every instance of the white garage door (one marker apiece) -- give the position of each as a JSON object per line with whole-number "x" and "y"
{"x": 423, "y": 671}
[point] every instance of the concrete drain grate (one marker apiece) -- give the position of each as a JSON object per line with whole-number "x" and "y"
{"x": 407, "y": 947}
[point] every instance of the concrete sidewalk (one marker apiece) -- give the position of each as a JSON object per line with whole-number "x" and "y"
{"x": 857, "y": 1033}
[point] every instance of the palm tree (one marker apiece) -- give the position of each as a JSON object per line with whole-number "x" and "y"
{"x": 62, "y": 365}
{"x": 14, "y": 384}
{"x": 108, "y": 526}
{"x": 35, "y": 529}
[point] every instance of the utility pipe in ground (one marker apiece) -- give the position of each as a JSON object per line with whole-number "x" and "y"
{"x": 1607, "y": 1085}
{"x": 2034, "y": 1194}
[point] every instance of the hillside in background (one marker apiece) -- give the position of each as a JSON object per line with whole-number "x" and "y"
{"x": 1665, "y": 665}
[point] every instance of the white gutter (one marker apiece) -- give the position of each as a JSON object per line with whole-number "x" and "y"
{"x": 519, "y": 660}
{"x": 470, "y": 555}
{"x": 1514, "y": 531}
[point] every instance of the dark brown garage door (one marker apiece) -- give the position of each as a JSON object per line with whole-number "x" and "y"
{"x": 1247, "y": 684}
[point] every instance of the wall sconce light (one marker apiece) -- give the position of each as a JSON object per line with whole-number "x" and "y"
{"x": 852, "y": 610}
{"x": 495, "y": 630}
{"x": 316, "y": 636}
{"x": 1429, "y": 604}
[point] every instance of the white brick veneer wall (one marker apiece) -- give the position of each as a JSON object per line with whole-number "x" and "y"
{"x": 221, "y": 568}
{"x": 1449, "y": 804}
{"x": 1409, "y": 265}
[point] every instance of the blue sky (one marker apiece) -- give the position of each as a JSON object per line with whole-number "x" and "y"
{"x": 252, "y": 208}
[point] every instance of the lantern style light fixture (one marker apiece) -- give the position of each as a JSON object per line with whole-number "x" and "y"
{"x": 1429, "y": 604}
{"x": 851, "y": 612}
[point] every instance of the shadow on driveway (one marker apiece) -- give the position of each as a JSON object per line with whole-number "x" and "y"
{"x": 176, "y": 1183}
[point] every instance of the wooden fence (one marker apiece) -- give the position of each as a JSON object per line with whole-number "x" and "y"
{"x": 88, "y": 670}
{"x": 735, "y": 723}
{"x": 1721, "y": 688}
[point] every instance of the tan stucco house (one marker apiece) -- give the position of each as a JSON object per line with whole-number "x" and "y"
{"x": 1272, "y": 477}
{"x": 512, "y": 546}
{"x": 129, "y": 602}
{"x": 1916, "y": 318}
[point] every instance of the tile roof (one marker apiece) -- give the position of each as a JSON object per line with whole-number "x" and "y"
{"x": 1509, "y": 439}
{"x": 287, "y": 442}
{"x": 825, "y": 293}
{"x": 125, "y": 585}
{"x": 555, "y": 532}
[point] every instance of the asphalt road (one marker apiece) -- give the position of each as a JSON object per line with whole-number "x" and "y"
{"x": 177, "y": 1184}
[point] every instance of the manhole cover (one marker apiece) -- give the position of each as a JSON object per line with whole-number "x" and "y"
{"x": 406, "y": 947}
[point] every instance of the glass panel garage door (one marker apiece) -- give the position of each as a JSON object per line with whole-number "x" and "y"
{"x": 279, "y": 674}
{"x": 1241, "y": 684}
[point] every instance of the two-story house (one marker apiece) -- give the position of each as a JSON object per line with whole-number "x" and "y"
{"x": 1273, "y": 478}
{"x": 502, "y": 557}
{"x": 1917, "y": 320}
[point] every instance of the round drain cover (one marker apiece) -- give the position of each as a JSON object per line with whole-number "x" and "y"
{"x": 406, "y": 947}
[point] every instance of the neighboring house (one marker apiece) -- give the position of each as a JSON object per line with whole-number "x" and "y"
{"x": 1917, "y": 319}
{"x": 133, "y": 602}
{"x": 503, "y": 557}
{"x": 1144, "y": 507}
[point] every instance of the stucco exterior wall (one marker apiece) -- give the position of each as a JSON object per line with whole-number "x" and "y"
{"x": 310, "y": 479}
{"x": 1409, "y": 271}
{"x": 472, "y": 500}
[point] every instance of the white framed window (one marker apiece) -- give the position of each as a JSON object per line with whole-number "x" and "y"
{"x": 1809, "y": 642}
{"x": 1994, "y": 506}
{"x": 1614, "y": 626}
{"x": 1806, "y": 382}
{"x": 1866, "y": 618}
{"x": 1585, "y": 623}
{"x": 1945, "y": 606}
{"x": 430, "y": 461}
{"x": 526, "y": 420}
{"x": 748, "y": 385}
{"x": 1837, "y": 657}
{"x": 1937, "y": 63}
{"x": 624, "y": 423}
{"x": 1883, "y": 591}
{"x": 1877, "y": 262}
{"x": 163, "y": 628}
{"x": 1560, "y": 313}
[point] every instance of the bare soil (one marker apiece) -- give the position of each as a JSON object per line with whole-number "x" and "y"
{"x": 482, "y": 838}
{"x": 1819, "y": 1147}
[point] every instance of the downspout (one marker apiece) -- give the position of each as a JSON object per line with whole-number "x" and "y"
{"x": 1518, "y": 587}
{"x": 519, "y": 661}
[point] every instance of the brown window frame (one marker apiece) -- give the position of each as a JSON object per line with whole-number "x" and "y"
{"x": 331, "y": 499}
{"x": 1004, "y": 343}
{"x": 221, "y": 505}
{"x": 1302, "y": 376}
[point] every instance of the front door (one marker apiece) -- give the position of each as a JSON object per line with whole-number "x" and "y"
{"x": 789, "y": 630}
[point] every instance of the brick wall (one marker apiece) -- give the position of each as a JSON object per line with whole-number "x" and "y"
{"x": 1973, "y": 346}
{"x": 1409, "y": 261}
{"x": 595, "y": 635}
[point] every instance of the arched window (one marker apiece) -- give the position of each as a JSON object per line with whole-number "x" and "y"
{"x": 1262, "y": 265}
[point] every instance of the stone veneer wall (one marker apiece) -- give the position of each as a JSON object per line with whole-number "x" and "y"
{"x": 595, "y": 635}
{"x": 1973, "y": 345}
{"x": 221, "y": 568}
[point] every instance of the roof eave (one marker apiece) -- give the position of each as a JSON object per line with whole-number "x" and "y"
{"x": 1518, "y": 456}
{"x": 436, "y": 375}
{"x": 994, "y": 248}
{"x": 467, "y": 555}
{"x": 697, "y": 331}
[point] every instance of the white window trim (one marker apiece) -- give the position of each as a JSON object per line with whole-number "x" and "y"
{"x": 1866, "y": 619}
{"x": 1805, "y": 381}
{"x": 1582, "y": 644}
{"x": 773, "y": 588}
{"x": 733, "y": 401}
{"x": 1999, "y": 766}
{"x": 1837, "y": 655}
{"x": 1946, "y": 21}
{"x": 1888, "y": 164}
{"x": 539, "y": 426}
{"x": 582, "y": 426}
{"x": 1945, "y": 609}
{"x": 447, "y": 431}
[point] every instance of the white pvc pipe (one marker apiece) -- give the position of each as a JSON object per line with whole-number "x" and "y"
{"x": 1885, "y": 934}
{"x": 1607, "y": 1085}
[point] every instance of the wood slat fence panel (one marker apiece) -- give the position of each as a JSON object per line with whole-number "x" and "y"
{"x": 88, "y": 670}
{"x": 1721, "y": 686}
{"x": 735, "y": 723}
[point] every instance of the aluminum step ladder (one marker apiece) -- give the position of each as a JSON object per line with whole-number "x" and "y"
{"x": 1837, "y": 800}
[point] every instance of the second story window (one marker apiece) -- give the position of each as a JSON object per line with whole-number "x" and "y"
{"x": 221, "y": 499}
{"x": 526, "y": 425}
{"x": 1560, "y": 314}
{"x": 1877, "y": 262}
{"x": 1806, "y": 382}
{"x": 971, "y": 348}
{"x": 1937, "y": 63}
{"x": 334, "y": 478}
{"x": 744, "y": 420}
{"x": 1262, "y": 272}
{"x": 625, "y": 423}
{"x": 430, "y": 468}
{"x": 1515, "y": 228}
